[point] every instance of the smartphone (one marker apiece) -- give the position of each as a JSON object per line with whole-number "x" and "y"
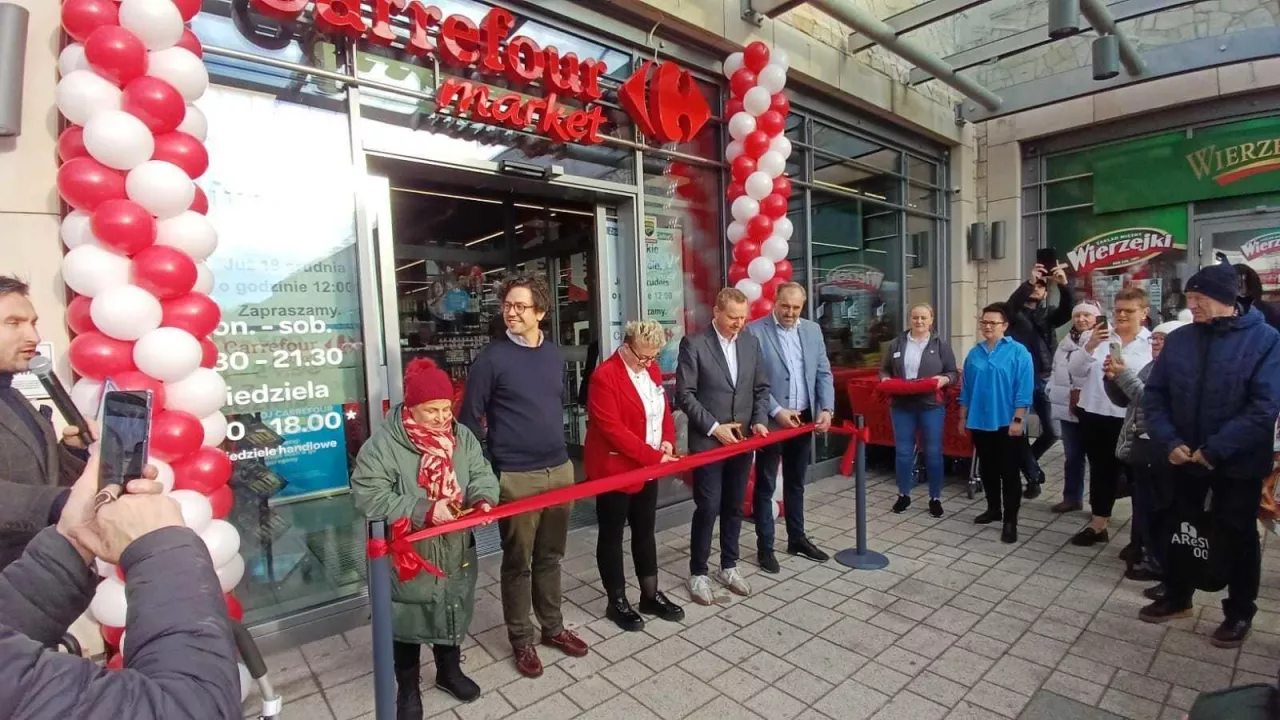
{"x": 1102, "y": 322}
{"x": 1047, "y": 258}
{"x": 1117, "y": 353}
{"x": 125, "y": 422}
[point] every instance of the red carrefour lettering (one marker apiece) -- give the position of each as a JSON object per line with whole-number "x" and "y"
{"x": 494, "y": 29}
{"x": 590, "y": 78}
{"x": 421, "y": 19}
{"x": 460, "y": 40}
{"x": 339, "y": 16}
{"x": 561, "y": 73}
{"x": 524, "y": 60}
{"x": 380, "y": 31}
{"x": 287, "y": 10}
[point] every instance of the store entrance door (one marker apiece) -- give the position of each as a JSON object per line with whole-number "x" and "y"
{"x": 1252, "y": 240}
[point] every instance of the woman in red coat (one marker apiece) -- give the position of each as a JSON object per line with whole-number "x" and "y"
{"x": 629, "y": 426}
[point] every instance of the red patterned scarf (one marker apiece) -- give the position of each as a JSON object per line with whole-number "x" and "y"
{"x": 435, "y": 467}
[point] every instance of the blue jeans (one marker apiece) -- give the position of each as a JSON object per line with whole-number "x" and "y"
{"x": 1073, "y": 469}
{"x": 906, "y": 425}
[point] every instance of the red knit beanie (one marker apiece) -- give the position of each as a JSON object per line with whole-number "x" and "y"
{"x": 424, "y": 382}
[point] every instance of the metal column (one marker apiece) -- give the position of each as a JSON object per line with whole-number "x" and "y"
{"x": 1100, "y": 18}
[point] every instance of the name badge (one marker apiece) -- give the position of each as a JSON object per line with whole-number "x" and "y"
{"x": 897, "y": 355}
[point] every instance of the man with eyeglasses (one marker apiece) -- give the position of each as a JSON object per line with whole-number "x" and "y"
{"x": 517, "y": 385}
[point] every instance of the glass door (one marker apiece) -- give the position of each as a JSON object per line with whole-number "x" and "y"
{"x": 1253, "y": 241}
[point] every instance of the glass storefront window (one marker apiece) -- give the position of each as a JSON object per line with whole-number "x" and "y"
{"x": 922, "y": 265}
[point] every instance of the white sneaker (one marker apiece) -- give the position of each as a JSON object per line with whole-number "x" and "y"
{"x": 700, "y": 590}
{"x": 733, "y": 580}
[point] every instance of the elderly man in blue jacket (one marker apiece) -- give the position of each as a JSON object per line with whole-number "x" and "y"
{"x": 801, "y": 390}
{"x": 1211, "y": 404}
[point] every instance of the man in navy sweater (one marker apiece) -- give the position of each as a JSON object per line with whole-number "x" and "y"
{"x": 516, "y": 385}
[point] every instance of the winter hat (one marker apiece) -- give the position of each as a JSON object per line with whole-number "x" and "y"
{"x": 424, "y": 382}
{"x": 1087, "y": 306}
{"x": 1218, "y": 281}
{"x": 1165, "y": 328}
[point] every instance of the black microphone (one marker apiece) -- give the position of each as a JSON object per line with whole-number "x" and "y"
{"x": 42, "y": 368}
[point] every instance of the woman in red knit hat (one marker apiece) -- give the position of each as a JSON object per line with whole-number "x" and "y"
{"x": 424, "y": 466}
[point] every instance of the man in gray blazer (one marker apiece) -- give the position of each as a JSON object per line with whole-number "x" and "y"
{"x": 722, "y": 386}
{"x": 795, "y": 357}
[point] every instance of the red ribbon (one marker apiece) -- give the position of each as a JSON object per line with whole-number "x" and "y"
{"x": 860, "y": 436}
{"x": 409, "y": 563}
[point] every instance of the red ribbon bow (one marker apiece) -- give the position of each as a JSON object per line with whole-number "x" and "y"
{"x": 860, "y": 436}
{"x": 407, "y": 561}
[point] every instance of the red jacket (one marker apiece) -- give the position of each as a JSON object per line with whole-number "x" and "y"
{"x": 616, "y": 423}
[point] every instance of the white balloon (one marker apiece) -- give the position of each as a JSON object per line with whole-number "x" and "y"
{"x": 160, "y": 187}
{"x": 104, "y": 568}
{"x": 204, "y": 279}
{"x": 775, "y": 248}
{"x": 72, "y": 59}
{"x": 750, "y": 288}
{"x": 180, "y": 68}
{"x": 761, "y": 270}
{"x": 82, "y": 94}
{"x": 735, "y": 232}
{"x": 229, "y": 575}
{"x": 772, "y": 78}
{"x": 197, "y": 513}
{"x": 157, "y": 23}
{"x": 190, "y": 232}
{"x": 164, "y": 474}
{"x": 774, "y": 507}
{"x": 215, "y": 429}
{"x": 167, "y": 354}
{"x": 783, "y": 228}
{"x": 125, "y": 312}
{"x": 75, "y": 230}
{"x": 772, "y": 163}
{"x": 759, "y": 185}
{"x": 779, "y": 57}
{"x": 756, "y": 101}
{"x": 118, "y": 140}
{"x": 781, "y": 145}
{"x": 195, "y": 124}
{"x": 108, "y": 606}
{"x": 223, "y": 541}
{"x": 201, "y": 393}
{"x": 246, "y": 682}
{"x": 733, "y": 150}
{"x": 90, "y": 269}
{"x": 744, "y": 208}
{"x": 741, "y": 125}
{"x": 86, "y": 395}
{"x": 733, "y": 64}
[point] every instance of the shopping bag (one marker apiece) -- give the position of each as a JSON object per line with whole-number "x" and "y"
{"x": 1194, "y": 553}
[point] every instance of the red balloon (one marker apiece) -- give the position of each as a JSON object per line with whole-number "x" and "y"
{"x": 209, "y": 358}
{"x": 770, "y": 288}
{"x": 155, "y": 102}
{"x": 755, "y": 144}
{"x": 780, "y": 104}
{"x": 164, "y": 271}
{"x": 742, "y": 167}
{"x": 745, "y": 251}
{"x": 234, "y": 609}
{"x": 116, "y": 54}
{"x": 773, "y": 207}
{"x": 204, "y": 471}
{"x": 735, "y": 191}
{"x": 222, "y": 499}
{"x": 761, "y": 307}
{"x": 741, "y": 82}
{"x": 201, "y": 203}
{"x": 782, "y": 186}
{"x": 124, "y": 226}
{"x": 194, "y": 312}
{"x": 138, "y": 380}
{"x": 733, "y": 107}
{"x": 760, "y": 227}
{"x": 679, "y": 169}
{"x": 182, "y": 150}
{"x": 771, "y": 122}
{"x": 94, "y": 355}
{"x": 81, "y": 17}
{"x": 111, "y": 636}
{"x": 175, "y": 435}
{"x": 755, "y": 56}
{"x": 78, "y": 315}
{"x": 71, "y": 143}
{"x": 782, "y": 269}
{"x": 86, "y": 183}
{"x": 116, "y": 662}
{"x": 191, "y": 43}
{"x": 187, "y": 8}
{"x": 737, "y": 272}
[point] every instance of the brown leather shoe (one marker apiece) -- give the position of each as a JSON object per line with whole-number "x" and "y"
{"x": 528, "y": 662}
{"x": 568, "y": 642}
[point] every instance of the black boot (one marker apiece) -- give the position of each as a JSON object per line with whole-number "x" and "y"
{"x": 621, "y": 612}
{"x": 449, "y": 677}
{"x": 653, "y": 602}
{"x": 408, "y": 673}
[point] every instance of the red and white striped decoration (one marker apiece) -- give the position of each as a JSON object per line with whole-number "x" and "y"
{"x": 137, "y": 239}
{"x": 759, "y": 191}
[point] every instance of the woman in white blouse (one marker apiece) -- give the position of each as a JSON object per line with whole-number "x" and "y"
{"x": 629, "y": 426}
{"x": 1100, "y": 419}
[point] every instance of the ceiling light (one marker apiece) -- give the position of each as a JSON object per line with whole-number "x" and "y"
{"x": 493, "y": 235}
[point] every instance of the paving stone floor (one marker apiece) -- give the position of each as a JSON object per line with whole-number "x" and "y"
{"x": 958, "y": 626}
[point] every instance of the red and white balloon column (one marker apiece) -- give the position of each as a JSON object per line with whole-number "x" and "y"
{"x": 759, "y": 191}
{"x": 137, "y": 239}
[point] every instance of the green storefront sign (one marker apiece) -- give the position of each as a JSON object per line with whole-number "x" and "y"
{"x": 1218, "y": 162}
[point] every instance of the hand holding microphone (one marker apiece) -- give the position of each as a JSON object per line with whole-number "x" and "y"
{"x": 42, "y": 368}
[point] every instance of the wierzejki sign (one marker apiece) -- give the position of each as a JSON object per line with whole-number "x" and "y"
{"x": 1121, "y": 248}
{"x": 665, "y": 103}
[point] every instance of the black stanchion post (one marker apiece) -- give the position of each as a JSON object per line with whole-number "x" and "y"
{"x": 384, "y": 675}
{"x": 860, "y": 558}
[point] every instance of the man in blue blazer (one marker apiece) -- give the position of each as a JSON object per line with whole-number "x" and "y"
{"x": 802, "y": 390}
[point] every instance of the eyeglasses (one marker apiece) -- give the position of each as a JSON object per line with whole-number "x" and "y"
{"x": 1126, "y": 311}
{"x": 520, "y": 308}
{"x": 643, "y": 359}
{"x": 991, "y": 323}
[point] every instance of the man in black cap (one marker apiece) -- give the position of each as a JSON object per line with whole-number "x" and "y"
{"x": 1211, "y": 404}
